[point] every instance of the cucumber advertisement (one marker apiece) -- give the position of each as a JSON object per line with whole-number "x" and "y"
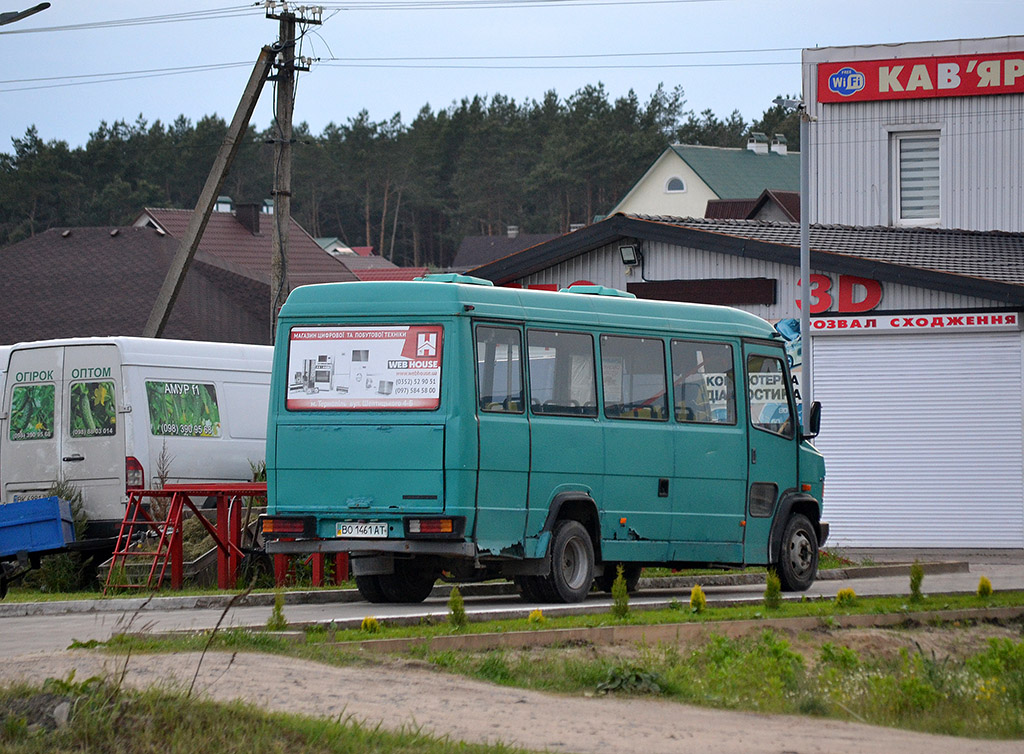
{"x": 32, "y": 412}
{"x": 93, "y": 409}
{"x": 183, "y": 409}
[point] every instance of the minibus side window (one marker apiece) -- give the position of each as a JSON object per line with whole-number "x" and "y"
{"x": 93, "y": 410}
{"x": 633, "y": 377}
{"x": 32, "y": 412}
{"x": 703, "y": 382}
{"x": 499, "y": 370}
{"x": 562, "y": 373}
{"x": 769, "y": 397}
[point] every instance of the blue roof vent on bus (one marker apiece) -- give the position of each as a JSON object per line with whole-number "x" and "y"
{"x": 454, "y": 277}
{"x": 597, "y": 290}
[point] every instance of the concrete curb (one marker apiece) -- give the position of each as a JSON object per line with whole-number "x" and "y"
{"x": 330, "y": 596}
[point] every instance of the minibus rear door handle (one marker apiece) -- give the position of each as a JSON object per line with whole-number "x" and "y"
{"x": 753, "y": 455}
{"x": 75, "y": 457}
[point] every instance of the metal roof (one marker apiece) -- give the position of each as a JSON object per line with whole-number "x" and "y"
{"x": 985, "y": 264}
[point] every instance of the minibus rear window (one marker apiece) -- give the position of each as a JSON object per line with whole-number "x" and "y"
{"x": 32, "y": 412}
{"x": 364, "y": 368}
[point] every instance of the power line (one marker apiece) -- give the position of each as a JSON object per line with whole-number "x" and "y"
{"x": 199, "y": 15}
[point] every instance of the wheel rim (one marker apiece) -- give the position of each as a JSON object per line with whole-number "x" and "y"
{"x": 801, "y": 552}
{"x": 574, "y": 563}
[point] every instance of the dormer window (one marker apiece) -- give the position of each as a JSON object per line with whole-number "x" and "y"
{"x": 675, "y": 185}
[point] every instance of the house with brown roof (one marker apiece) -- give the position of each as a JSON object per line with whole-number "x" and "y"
{"x": 77, "y": 282}
{"x": 244, "y": 239}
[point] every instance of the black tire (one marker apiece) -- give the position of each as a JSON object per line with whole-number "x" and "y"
{"x": 411, "y": 582}
{"x": 630, "y": 572}
{"x": 572, "y": 562}
{"x": 798, "y": 558}
{"x": 536, "y": 588}
{"x": 369, "y": 587}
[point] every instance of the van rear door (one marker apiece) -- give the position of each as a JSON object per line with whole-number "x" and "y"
{"x": 63, "y": 407}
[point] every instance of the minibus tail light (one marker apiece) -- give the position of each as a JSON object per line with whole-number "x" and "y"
{"x": 450, "y": 527}
{"x": 134, "y": 476}
{"x": 288, "y": 526}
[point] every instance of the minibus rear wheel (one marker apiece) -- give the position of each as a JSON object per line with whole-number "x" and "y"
{"x": 369, "y": 587}
{"x": 798, "y": 558}
{"x": 572, "y": 562}
{"x": 412, "y": 581}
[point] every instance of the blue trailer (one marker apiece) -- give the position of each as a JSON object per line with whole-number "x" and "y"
{"x": 30, "y": 529}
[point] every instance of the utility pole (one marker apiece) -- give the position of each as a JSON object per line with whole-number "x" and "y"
{"x": 287, "y": 64}
{"x": 204, "y": 207}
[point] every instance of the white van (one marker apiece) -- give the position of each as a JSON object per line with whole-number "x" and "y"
{"x": 98, "y": 412}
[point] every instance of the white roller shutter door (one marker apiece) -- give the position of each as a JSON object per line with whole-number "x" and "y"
{"x": 922, "y": 437}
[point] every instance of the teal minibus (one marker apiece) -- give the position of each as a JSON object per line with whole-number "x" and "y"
{"x": 448, "y": 428}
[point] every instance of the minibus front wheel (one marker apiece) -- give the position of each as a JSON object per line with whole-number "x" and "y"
{"x": 798, "y": 558}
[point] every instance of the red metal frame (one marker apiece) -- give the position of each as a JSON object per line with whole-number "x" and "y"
{"x": 227, "y": 534}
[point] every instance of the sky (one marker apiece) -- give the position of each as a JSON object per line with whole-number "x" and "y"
{"x": 77, "y": 64}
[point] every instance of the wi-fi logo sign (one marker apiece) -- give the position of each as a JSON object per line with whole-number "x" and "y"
{"x": 846, "y": 81}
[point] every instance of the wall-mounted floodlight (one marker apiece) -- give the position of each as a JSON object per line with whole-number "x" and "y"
{"x": 630, "y": 255}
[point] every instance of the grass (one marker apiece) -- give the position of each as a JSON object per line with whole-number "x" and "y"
{"x": 981, "y": 695}
{"x": 170, "y": 723}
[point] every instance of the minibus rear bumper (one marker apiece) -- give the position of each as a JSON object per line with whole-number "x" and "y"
{"x": 373, "y": 546}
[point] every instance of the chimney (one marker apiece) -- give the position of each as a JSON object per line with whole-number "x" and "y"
{"x": 757, "y": 143}
{"x": 513, "y": 231}
{"x": 779, "y": 144}
{"x": 249, "y": 216}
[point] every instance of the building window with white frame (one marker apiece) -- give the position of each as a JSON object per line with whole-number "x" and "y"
{"x": 675, "y": 185}
{"x": 916, "y": 178}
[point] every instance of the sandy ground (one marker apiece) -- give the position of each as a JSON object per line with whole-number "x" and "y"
{"x": 400, "y": 693}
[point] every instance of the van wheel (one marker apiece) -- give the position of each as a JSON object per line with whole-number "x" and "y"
{"x": 412, "y": 581}
{"x": 369, "y": 587}
{"x": 798, "y": 559}
{"x": 535, "y": 588}
{"x": 630, "y": 572}
{"x": 572, "y": 562}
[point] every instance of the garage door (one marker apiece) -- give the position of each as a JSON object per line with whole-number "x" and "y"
{"x": 922, "y": 439}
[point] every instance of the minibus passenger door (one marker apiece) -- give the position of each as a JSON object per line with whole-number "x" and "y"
{"x": 504, "y": 437}
{"x": 772, "y": 459}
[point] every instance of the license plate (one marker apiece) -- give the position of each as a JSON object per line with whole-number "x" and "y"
{"x": 361, "y": 529}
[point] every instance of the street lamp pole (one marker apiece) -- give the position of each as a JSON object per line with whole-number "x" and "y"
{"x": 806, "y": 389}
{"x": 806, "y": 380}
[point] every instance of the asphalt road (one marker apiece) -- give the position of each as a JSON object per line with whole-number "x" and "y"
{"x": 53, "y": 627}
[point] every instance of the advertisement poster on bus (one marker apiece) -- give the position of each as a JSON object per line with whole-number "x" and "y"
{"x": 370, "y": 368}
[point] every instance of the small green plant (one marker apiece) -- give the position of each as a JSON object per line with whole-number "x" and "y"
{"x": 457, "y": 609}
{"x": 916, "y": 577}
{"x": 630, "y": 680}
{"x": 698, "y": 601}
{"x": 536, "y": 617}
{"x": 984, "y": 587}
{"x": 370, "y": 625}
{"x": 846, "y": 597}
{"x": 674, "y": 604}
{"x": 276, "y": 621}
{"x": 772, "y": 590}
{"x": 620, "y": 594}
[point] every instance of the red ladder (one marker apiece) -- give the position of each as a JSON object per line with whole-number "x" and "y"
{"x": 138, "y": 522}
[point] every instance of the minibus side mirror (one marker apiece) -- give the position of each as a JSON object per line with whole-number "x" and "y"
{"x": 814, "y": 422}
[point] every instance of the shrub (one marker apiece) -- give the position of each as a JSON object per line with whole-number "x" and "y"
{"x": 276, "y": 621}
{"x": 620, "y": 594}
{"x": 536, "y": 617}
{"x": 846, "y": 598}
{"x": 772, "y": 590}
{"x": 984, "y": 587}
{"x": 697, "y": 599}
{"x": 457, "y": 609}
{"x": 916, "y": 577}
{"x": 370, "y": 625}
